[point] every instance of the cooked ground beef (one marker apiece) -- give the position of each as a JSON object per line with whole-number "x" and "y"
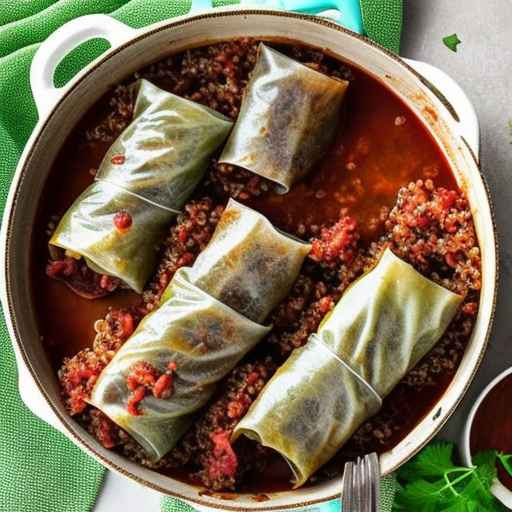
{"x": 81, "y": 279}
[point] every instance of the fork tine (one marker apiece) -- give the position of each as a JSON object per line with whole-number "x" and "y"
{"x": 373, "y": 460}
{"x": 355, "y": 487}
{"x": 359, "y": 485}
{"x": 355, "y": 491}
{"x": 367, "y": 485}
{"x": 361, "y": 480}
{"x": 364, "y": 486}
{"x": 347, "y": 487}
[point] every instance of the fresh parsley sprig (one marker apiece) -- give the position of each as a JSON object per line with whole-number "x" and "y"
{"x": 432, "y": 482}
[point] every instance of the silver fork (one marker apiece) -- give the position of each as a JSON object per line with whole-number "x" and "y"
{"x": 361, "y": 485}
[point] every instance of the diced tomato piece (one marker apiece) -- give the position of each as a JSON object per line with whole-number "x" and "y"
{"x": 325, "y": 304}
{"x": 118, "y": 159}
{"x": 224, "y": 461}
{"x": 123, "y": 220}
{"x": 134, "y": 399}
{"x": 163, "y": 386}
{"x": 448, "y": 198}
{"x": 65, "y": 267}
{"x": 182, "y": 234}
{"x": 252, "y": 378}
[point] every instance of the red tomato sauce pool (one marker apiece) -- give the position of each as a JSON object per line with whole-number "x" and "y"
{"x": 492, "y": 425}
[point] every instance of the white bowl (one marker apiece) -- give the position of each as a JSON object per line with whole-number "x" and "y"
{"x": 498, "y": 489}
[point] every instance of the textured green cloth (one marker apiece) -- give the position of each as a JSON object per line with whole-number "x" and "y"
{"x": 40, "y": 470}
{"x": 382, "y": 21}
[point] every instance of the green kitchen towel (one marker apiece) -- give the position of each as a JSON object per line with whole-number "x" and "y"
{"x": 382, "y": 21}
{"x": 40, "y": 470}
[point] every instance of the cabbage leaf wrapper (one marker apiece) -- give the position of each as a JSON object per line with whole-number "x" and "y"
{"x": 149, "y": 172}
{"x": 288, "y": 118}
{"x": 195, "y": 330}
{"x": 248, "y": 264}
{"x": 381, "y": 327}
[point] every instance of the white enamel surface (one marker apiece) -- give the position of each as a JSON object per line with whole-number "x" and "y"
{"x": 120, "y": 494}
{"x": 468, "y": 125}
{"x": 158, "y": 41}
{"x": 59, "y": 44}
{"x": 498, "y": 489}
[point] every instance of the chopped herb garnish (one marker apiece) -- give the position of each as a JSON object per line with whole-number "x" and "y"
{"x": 433, "y": 482}
{"x": 452, "y": 42}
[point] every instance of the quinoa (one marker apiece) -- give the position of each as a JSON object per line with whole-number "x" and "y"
{"x": 337, "y": 247}
{"x": 118, "y": 115}
{"x": 187, "y": 238}
{"x": 79, "y": 373}
{"x": 294, "y": 320}
{"x": 215, "y": 76}
{"x": 336, "y": 260}
{"x": 207, "y": 442}
{"x": 432, "y": 229}
{"x": 429, "y": 227}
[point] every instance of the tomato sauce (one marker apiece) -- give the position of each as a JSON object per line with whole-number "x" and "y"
{"x": 492, "y": 425}
{"x": 381, "y": 147}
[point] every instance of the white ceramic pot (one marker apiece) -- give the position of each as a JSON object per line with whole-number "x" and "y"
{"x": 498, "y": 489}
{"x": 60, "y": 109}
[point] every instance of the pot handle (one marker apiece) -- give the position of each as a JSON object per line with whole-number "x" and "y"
{"x": 467, "y": 124}
{"x": 65, "y": 39}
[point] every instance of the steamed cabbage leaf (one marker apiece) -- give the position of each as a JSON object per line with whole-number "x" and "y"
{"x": 149, "y": 172}
{"x": 379, "y": 330}
{"x": 201, "y": 326}
{"x": 288, "y": 118}
{"x": 248, "y": 263}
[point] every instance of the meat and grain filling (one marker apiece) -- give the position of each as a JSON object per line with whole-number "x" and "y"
{"x": 429, "y": 226}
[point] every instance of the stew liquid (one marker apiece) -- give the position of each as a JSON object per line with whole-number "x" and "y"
{"x": 381, "y": 147}
{"x": 492, "y": 425}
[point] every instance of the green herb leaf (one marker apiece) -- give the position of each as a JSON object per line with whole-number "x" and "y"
{"x": 419, "y": 495}
{"x": 432, "y": 461}
{"x": 461, "y": 506}
{"x": 452, "y": 42}
{"x": 432, "y": 482}
{"x": 487, "y": 457}
{"x": 505, "y": 462}
{"x": 486, "y": 466}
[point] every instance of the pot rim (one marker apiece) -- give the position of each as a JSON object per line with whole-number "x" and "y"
{"x": 20, "y": 174}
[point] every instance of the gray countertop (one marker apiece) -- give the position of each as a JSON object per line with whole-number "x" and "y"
{"x": 483, "y": 68}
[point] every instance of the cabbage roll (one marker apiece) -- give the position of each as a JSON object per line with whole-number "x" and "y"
{"x": 147, "y": 175}
{"x": 247, "y": 264}
{"x": 203, "y": 326}
{"x": 288, "y": 118}
{"x": 380, "y": 329}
